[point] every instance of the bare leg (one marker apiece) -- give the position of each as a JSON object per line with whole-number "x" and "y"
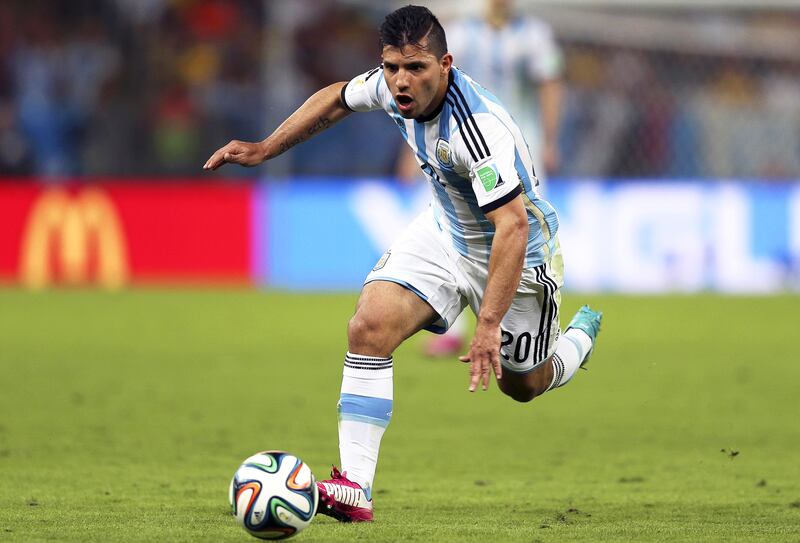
{"x": 524, "y": 387}
{"x": 386, "y": 315}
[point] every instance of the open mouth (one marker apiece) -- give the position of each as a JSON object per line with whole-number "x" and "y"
{"x": 404, "y": 101}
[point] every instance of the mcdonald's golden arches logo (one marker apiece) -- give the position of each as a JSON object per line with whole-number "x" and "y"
{"x": 74, "y": 240}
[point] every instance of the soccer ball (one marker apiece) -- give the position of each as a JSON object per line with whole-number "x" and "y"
{"x": 273, "y": 495}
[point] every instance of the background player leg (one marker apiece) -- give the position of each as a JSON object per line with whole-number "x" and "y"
{"x": 386, "y": 314}
{"x": 450, "y": 343}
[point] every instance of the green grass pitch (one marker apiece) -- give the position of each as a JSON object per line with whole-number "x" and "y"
{"x": 124, "y": 415}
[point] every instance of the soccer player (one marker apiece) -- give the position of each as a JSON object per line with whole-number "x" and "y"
{"x": 517, "y": 58}
{"x": 487, "y": 240}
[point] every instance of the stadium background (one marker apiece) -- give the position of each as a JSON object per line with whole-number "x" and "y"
{"x": 680, "y": 149}
{"x": 680, "y": 138}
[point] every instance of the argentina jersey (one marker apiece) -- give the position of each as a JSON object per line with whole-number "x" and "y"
{"x": 475, "y": 159}
{"x": 510, "y": 60}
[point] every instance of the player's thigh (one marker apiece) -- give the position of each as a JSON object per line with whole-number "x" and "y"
{"x": 530, "y": 331}
{"x": 421, "y": 262}
{"x": 391, "y": 311}
{"x": 530, "y": 328}
{"x": 412, "y": 287}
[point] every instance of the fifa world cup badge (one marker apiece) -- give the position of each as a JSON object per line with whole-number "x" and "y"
{"x": 443, "y": 152}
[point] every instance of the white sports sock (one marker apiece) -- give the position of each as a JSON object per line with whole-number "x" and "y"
{"x": 572, "y": 348}
{"x": 365, "y": 408}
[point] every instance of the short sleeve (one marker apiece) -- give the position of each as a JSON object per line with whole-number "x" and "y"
{"x": 545, "y": 60}
{"x": 364, "y": 93}
{"x": 486, "y": 149}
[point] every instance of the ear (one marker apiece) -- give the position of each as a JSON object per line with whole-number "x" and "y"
{"x": 446, "y": 62}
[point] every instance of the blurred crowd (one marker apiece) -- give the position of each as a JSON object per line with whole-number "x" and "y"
{"x": 644, "y": 114}
{"x": 152, "y": 87}
{"x": 125, "y": 87}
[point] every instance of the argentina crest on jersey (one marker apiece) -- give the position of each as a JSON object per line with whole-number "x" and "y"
{"x": 443, "y": 152}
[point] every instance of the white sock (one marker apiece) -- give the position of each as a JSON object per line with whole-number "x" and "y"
{"x": 572, "y": 348}
{"x": 365, "y": 408}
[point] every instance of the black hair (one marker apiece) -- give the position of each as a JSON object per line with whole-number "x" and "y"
{"x": 409, "y": 25}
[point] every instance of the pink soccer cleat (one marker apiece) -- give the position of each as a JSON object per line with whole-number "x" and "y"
{"x": 344, "y": 500}
{"x": 444, "y": 345}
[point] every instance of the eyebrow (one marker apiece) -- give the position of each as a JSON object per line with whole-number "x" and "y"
{"x": 411, "y": 64}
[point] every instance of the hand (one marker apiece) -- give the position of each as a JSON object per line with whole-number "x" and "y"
{"x": 236, "y": 152}
{"x": 483, "y": 356}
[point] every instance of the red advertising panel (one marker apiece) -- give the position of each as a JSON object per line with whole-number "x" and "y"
{"x": 119, "y": 233}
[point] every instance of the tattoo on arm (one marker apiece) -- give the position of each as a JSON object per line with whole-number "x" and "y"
{"x": 319, "y": 125}
{"x": 288, "y": 144}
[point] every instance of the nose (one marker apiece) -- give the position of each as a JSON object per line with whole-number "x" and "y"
{"x": 402, "y": 80}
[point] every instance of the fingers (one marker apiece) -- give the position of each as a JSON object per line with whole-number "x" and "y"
{"x": 229, "y": 153}
{"x": 475, "y": 375}
{"x": 481, "y": 368}
{"x": 217, "y": 159}
{"x": 479, "y": 373}
{"x": 498, "y": 367}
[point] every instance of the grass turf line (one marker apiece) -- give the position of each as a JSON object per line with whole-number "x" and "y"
{"x": 124, "y": 415}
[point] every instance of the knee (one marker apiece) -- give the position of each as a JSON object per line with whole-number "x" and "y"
{"x": 522, "y": 396}
{"x": 367, "y": 335}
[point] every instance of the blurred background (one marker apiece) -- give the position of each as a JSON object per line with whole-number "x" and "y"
{"x": 676, "y": 138}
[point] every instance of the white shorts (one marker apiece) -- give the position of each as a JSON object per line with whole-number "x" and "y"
{"x": 424, "y": 262}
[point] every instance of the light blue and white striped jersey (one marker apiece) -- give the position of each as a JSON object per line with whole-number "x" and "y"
{"x": 511, "y": 61}
{"x": 475, "y": 158}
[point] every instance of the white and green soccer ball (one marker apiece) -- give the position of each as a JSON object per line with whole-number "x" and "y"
{"x": 273, "y": 495}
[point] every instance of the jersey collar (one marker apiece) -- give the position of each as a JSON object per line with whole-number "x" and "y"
{"x": 435, "y": 113}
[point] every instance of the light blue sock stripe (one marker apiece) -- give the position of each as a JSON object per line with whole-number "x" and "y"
{"x": 364, "y": 419}
{"x": 376, "y": 411}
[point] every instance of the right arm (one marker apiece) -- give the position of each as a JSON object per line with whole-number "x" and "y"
{"x": 319, "y": 112}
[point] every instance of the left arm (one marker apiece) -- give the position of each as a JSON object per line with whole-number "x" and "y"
{"x": 550, "y": 92}
{"x": 505, "y": 270}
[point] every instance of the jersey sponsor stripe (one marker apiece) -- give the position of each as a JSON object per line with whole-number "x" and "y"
{"x": 461, "y": 116}
{"x": 553, "y": 308}
{"x": 545, "y": 305}
{"x": 469, "y": 120}
{"x": 459, "y": 123}
{"x": 469, "y": 114}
